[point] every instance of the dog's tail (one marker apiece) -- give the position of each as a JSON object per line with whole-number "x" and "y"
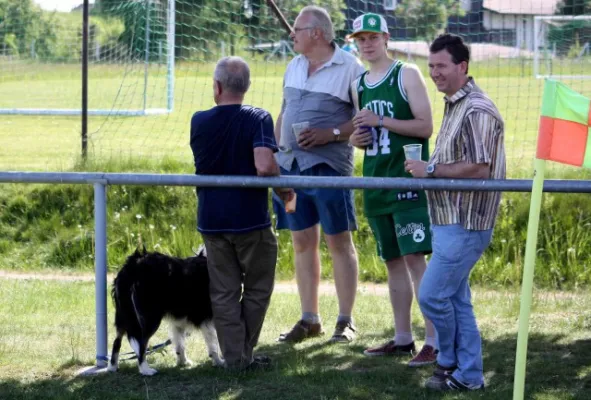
{"x": 124, "y": 277}
{"x": 123, "y": 292}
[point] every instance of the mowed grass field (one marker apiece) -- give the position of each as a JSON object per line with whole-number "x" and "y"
{"x": 47, "y": 334}
{"x": 54, "y": 142}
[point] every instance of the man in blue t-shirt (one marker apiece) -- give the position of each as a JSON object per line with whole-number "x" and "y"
{"x": 234, "y": 139}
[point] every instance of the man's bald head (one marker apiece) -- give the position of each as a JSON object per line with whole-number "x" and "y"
{"x": 233, "y": 74}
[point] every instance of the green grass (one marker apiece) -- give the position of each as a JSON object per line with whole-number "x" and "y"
{"x": 47, "y": 331}
{"x": 53, "y": 143}
{"x": 52, "y": 227}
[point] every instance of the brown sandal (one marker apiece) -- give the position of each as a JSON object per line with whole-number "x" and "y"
{"x": 300, "y": 331}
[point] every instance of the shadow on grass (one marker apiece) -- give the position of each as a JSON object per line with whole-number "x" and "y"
{"x": 317, "y": 370}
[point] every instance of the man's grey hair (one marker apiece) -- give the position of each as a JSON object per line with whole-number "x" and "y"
{"x": 321, "y": 20}
{"x": 233, "y": 74}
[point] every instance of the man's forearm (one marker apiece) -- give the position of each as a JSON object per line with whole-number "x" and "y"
{"x": 271, "y": 170}
{"x": 411, "y": 127}
{"x": 462, "y": 170}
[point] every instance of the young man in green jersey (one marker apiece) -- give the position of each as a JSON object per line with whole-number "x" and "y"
{"x": 394, "y": 111}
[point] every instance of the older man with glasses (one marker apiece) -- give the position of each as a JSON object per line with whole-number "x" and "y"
{"x": 313, "y": 130}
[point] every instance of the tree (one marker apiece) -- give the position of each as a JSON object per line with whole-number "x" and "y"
{"x": 428, "y": 18}
{"x": 566, "y": 38}
{"x": 133, "y": 14}
{"x": 21, "y": 24}
{"x": 574, "y": 7}
{"x": 291, "y": 9}
{"x": 201, "y": 25}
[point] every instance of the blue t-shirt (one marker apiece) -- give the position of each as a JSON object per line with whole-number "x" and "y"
{"x": 222, "y": 140}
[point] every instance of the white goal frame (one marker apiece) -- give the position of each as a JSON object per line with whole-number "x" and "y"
{"x": 538, "y": 19}
{"x": 144, "y": 111}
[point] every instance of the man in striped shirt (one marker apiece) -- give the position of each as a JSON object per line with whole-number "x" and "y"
{"x": 470, "y": 144}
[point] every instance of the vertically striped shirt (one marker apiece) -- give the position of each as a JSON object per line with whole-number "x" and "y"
{"x": 472, "y": 131}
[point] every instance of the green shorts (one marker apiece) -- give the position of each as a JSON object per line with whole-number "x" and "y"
{"x": 402, "y": 233}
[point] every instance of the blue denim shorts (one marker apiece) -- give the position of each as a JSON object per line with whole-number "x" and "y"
{"x": 334, "y": 209}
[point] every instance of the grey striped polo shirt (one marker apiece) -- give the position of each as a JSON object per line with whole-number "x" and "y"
{"x": 472, "y": 131}
{"x": 322, "y": 99}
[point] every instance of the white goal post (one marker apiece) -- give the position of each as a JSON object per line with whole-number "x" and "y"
{"x": 143, "y": 109}
{"x": 545, "y": 55}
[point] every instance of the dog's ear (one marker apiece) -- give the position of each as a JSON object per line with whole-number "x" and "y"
{"x": 200, "y": 252}
{"x": 144, "y": 248}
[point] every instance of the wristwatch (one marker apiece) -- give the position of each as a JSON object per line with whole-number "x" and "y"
{"x": 430, "y": 170}
{"x": 337, "y": 134}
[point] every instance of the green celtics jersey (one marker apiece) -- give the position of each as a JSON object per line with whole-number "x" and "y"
{"x": 385, "y": 157}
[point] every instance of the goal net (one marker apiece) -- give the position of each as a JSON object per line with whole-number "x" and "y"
{"x": 562, "y": 47}
{"x": 130, "y": 55}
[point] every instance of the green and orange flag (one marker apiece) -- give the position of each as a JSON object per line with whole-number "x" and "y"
{"x": 565, "y": 126}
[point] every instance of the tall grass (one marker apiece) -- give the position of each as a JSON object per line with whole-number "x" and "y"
{"x": 51, "y": 226}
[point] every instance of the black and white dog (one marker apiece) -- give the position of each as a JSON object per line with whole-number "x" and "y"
{"x": 151, "y": 286}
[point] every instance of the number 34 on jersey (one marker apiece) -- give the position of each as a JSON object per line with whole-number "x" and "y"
{"x": 381, "y": 142}
{"x": 381, "y": 137}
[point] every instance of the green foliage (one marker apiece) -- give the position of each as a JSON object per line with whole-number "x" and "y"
{"x": 574, "y": 7}
{"x": 52, "y": 226}
{"x": 134, "y": 17}
{"x": 564, "y": 240}
{"x": 291, "y": 8}
{"x": 201, "y": 25}
{"x": 428, "y": 18}
{"x": 567, "y": 38}
{"x": 28, "y": 32}
{"x": 22, "y": 23}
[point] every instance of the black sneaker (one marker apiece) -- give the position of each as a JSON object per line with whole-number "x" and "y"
{"x": 440, "y": 374}
{"x": 451, "y": 384}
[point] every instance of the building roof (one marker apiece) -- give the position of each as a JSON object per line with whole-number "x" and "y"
{"x": 478, "y": 51}
{"x": 520, "y": 7}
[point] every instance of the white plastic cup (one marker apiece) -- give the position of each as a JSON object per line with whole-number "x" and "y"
{"x": 299, "y": 128}
{"x": 413, "y": 151}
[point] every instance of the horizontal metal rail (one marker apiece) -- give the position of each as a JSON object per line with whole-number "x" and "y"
{"x": 487, "y": 185}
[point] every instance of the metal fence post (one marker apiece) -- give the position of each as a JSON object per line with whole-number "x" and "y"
{"x": 100, "y": 245}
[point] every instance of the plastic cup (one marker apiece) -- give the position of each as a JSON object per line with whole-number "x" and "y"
{"x": 413, "y": 151}
{"x": 299, "y": 128}
{"x": 290, "y": 206}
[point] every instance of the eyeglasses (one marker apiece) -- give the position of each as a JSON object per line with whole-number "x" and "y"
{"x": 296, "y": 30}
